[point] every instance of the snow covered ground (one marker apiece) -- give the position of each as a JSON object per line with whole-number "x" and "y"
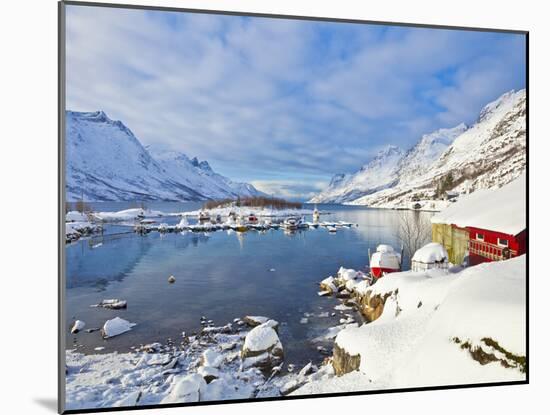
{"x": 208, "y": 366}
{"x": 439, "y": 328}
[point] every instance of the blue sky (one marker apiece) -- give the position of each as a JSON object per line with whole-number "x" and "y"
{"x": 283, "y": 104}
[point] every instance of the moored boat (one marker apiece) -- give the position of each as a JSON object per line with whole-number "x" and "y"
{"x": 204, "y": 216}
{"x": 291, "y": 224}
{"x": 384, "y": 261}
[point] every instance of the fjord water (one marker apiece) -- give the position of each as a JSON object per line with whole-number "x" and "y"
{"x": 221, "y": 275}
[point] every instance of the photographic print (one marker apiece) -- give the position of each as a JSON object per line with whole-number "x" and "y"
{"x": 267, "y": 207}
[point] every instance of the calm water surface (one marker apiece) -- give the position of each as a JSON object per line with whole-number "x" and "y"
{"x": 219, "y": 275}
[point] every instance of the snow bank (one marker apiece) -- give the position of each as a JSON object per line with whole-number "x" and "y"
{"x": 502, "y": 210}
{"x": 431, "y": 322}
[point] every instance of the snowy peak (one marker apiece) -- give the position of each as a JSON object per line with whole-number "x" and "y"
{"x": 337, "y": 179}
{"x": 488, "y": 154}
{"x": 502, "y": 104}
{"x": 106, "y": 161}
{"x": 379, "y": 173}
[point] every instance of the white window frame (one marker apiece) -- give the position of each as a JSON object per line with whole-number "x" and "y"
{"x": 478, "y": 238}
{"x": 501, "y": 244}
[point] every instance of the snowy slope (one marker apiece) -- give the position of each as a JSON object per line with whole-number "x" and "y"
{"x": 430, "y": 147}
{"x": 105, "y": 161}
{"x": 381, "y": 172}
{"x": 200, "y": 176}
{"x": 430, "y": 332}
{"x": 488, "y": 154}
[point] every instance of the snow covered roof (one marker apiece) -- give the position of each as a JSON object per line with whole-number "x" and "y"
{"x": 432, "y": 252}
{"x": 502, "y": 210}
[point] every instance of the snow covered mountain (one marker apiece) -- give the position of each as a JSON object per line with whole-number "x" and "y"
{"x": 379, "y": 173}
{"x": 105, "y": 161}
{"x": 488, "y": 154}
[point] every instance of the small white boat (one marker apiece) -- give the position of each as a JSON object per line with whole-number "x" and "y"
{"x": 204, "y": 216}
{"x": 291, "y": 224}
{"x": 332, "y": 229}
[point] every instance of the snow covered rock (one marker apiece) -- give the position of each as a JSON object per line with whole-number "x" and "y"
{"x": 328, "y": 285}
{"x": 263, "y": 346}
{"x": 254, "y": 321}
{"x": 211, "y": 358}
{"x": 115, "y": 327}
{"x": 186, "y": 389}
{"x": 77, "y": 326}
{"x": 113, "y": 303}
{"x": 209, "y": 373}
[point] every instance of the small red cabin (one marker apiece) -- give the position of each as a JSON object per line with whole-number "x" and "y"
{"x": 488, "y": 245}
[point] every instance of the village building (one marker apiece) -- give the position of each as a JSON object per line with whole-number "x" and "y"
{"x": 488, "y": 225}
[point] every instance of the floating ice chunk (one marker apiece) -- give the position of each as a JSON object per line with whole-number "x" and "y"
{"x": 116, "y": 326}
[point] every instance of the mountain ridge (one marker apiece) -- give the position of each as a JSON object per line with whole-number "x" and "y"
{"x": 489, "y": 153}
{"x": 105, "y": 161}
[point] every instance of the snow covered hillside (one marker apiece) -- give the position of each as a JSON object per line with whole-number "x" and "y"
{"x": 488, "y": 154}
{"x": 437, "y": 328}
{"x": 105, "y": 161}
{"x": 380, "y": 173}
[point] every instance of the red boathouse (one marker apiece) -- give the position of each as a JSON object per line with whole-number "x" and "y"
{"x": 494, "y": 221}
{"x": 487, "y": 245}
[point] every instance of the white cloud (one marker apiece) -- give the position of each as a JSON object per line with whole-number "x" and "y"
{"x": 305, "y": 98}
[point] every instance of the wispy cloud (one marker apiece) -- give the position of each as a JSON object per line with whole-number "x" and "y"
{"x": 281, "y": 103}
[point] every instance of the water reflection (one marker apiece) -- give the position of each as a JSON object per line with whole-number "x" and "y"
{"x": 221, "y": 275}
